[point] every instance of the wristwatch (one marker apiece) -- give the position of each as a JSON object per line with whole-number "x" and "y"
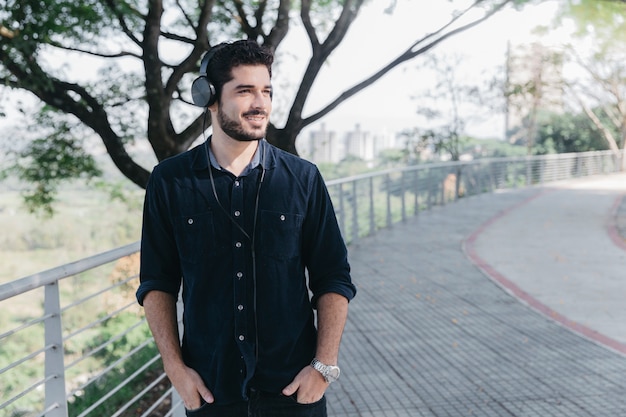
{"x": 329, "y": 372}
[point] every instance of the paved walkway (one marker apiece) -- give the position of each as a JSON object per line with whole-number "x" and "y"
{"x": 505, "y": 304}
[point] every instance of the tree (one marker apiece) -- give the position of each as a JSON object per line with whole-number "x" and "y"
{"x": 532, "y": 85}
{"x": 450, "y": 104}
{"x": 599, "y": 86}
{"x": 142, "y": 92}
{"x": 564, "y": 133}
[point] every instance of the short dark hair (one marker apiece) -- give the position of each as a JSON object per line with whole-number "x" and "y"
{"x": 229, "y": 55}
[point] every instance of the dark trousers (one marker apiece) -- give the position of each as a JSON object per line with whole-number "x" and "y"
{"x": 263, "y": 405}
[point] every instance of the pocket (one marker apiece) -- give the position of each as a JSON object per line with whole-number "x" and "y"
{"x": 281, "y": 406}
{"x": 280, "y": 234}
{"x": 212, "y": 410}
{"x": 321, "y": 403}
{"x": 195, "y": 236}
{"x": 200, "y": 411}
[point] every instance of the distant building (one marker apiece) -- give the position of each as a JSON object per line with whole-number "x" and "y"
{"x": 321, "y": 146}
{"x": 327, "y": 146}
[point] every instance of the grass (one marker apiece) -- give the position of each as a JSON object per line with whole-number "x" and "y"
{"x": 87, "y": 222}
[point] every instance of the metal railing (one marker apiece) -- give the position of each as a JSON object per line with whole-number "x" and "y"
{"x": 73, "y": 340}
{"x": 368, "y": 202}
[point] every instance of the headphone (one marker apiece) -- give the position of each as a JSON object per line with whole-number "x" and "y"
{"x": 202, "y": 89}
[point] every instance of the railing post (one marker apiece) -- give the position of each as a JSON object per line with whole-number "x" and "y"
{"x": 388, "y": 181}
{"x": 430, "y": 189}
{"x": 355, "y": 213}
{"x": 342, "y": 217}
{"x": 56, "y": 402}
{"x": 416, "y": 191}
{"x": 402, "y": 195}
{"x": 372, "y": 212}
{"x": 178, "y": 409}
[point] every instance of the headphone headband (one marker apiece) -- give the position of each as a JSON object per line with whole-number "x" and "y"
{"x": 203, "y": 91}
{"x": 204, "y": 66}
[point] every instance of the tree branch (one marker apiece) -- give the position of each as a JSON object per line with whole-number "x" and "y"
{"x": 92, "y": 53}
{"x": 190, "y": 63}
{"x": 320, "y": 53}
{"x": 280, "y": 29}
{"x": 87, "y": 109}
{"x": 608, "y": 136}
{"x": 305, "y": 15}
{"x": 184, "y": 13}
{"x": 179, "y": 38}
{"x": 243, "y": 19}
{"x": 407, "y": 55}
{"x": 122, "y": 21}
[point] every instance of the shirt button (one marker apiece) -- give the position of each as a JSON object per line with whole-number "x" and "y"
{"x": 238, "y": 244}
{"x": 239, "y": 275}
{"x": 236, "y": 183}
{"x": 190, "y": 221}
{"x": 241, "y": 337}
{"x": 240, "y": 307}
{"x": 237, "y": 213}
{"x": 282, "y": 217}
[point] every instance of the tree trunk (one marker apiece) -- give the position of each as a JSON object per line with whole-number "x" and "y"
{"x": 284, "y": 138}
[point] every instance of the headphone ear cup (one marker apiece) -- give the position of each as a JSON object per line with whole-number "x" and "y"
{"x": 202, "y": 92}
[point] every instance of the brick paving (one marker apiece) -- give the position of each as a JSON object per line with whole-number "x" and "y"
{"x": 430, "y": 334}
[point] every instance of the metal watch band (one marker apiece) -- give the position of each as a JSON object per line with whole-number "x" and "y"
{"x": 329, "y": 372}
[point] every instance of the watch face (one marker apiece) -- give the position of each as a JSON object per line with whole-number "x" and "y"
{"x": 333, "y": 373}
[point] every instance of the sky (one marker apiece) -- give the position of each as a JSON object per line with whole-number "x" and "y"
{"x": 376, "y": 38}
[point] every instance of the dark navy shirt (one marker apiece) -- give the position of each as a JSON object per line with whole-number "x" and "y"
{"x": 206, "y": 243}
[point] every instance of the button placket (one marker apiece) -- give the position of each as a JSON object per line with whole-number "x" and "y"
{"x": 239, "y": 258}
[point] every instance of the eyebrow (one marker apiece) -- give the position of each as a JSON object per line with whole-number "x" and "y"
{"x": 247, "y": 86}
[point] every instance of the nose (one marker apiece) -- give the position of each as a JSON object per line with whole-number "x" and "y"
{"x": 262, "y": 100}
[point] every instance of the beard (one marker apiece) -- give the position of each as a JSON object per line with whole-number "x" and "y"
{"x": 235, "y": 129}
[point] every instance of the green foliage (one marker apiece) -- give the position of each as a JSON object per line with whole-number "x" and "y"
{"x": 563, "y": 133}
{"x": 113, "y": 327}
{"x": 14, "y": 347}
{"x": 38, "y": 21}
{"x": 448, "y": 106}
{"x": 50, "y": 160}
{"x": 117, "y": 350}
{"x": 604, "y": 19}
{"x": 492, "y": 148}
{"x": 351, "y": 165}
{"x": 393, "y": 157}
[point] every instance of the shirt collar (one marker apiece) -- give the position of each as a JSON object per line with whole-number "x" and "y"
{"x": 256, "y": 160}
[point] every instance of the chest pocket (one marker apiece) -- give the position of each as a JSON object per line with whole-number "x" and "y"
{"x": 280, "y": 234}
{"x": 195, "y": 236}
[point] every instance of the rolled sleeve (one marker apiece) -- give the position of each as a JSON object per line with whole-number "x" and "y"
{"x": 325, "y": 250}
{"x": 159, "y": 264}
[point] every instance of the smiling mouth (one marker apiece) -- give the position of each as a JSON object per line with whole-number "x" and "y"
{"x": 255, "y": 116}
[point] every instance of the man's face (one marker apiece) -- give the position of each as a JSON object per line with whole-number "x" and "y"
{"x": 245, "y": 103}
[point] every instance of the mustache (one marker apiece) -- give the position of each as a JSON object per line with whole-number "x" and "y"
{"x": 255, "y": 113}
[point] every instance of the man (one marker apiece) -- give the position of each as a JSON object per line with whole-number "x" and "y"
{"x": 250, "y": 231}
